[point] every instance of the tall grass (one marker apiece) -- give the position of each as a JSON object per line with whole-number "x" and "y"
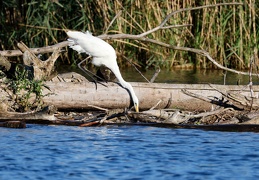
{"x": 228, "y": 33}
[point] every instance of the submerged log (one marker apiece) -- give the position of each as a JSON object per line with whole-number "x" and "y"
{"x": 13, "y": 124}
{"x": 84, "y": 95}
{"x": 47, "y": 113}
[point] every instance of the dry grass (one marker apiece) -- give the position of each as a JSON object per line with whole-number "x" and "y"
{"x": 228, "y": 33}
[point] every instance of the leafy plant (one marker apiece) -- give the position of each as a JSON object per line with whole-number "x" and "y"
{"x": 27, "y": 93}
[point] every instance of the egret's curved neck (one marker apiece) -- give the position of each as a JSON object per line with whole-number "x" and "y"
{"x": 116, "y": 71}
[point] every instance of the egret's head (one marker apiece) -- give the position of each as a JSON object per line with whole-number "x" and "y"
{"x": 136, "y": 103}
{"x": 136, "y": 107}
{"x": 128, "y": 86}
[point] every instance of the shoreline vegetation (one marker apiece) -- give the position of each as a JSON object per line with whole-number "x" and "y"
{"x": 229, "y": 33}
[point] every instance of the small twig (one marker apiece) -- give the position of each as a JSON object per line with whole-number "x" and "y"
{"x": 89, "y": 124}
{"x": 117, "y": 15}
{"x": 224, "y": 77}
{"x": 136, "y": 68}
{"x": 155, "y": 75}
{"x": 209, "y": 113}
{"x": 169, "y": 102}
{"x": 234, "y": 52}
{"x": 156, "y": 105}
{"x": 251, "y": 81}
{"x": 176, "y": 26}
{"x": 40, "y": 27}
{"x": 196, "y": 96}
{"x": 97, "y": 107}
{"x": 219, "y": 102}
{"x": 103, "y": 119}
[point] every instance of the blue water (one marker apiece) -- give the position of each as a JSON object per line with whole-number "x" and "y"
{"x": 127, "y": 152}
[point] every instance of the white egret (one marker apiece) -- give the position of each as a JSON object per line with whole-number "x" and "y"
{"x": 103, "y": 55}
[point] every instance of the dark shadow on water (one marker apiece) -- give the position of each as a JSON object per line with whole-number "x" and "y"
{"x": 222, "y": 127}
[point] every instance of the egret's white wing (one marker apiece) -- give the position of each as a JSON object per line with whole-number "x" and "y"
{"x": 94, "y": 46}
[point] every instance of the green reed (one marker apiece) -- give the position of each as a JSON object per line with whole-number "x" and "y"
{"x": 228, "y": 33}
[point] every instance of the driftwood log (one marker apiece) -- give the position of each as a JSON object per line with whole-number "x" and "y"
{"x": 84, "y": 95}
{"x": 166, "y": 105}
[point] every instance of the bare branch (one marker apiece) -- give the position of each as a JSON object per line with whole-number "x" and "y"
{"x": 183, "y": 10}
{"x": 194, "y": 8}
{"x": 176, "y": 26}
{"x": 41, "y": 50}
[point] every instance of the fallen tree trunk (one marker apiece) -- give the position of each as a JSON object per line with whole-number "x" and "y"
{"x": 84, "y": 95}
{"x": 161, "y": 100}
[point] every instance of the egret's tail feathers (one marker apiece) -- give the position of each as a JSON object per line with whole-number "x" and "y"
{"x": 71, "y": 42}
{"x": 73, "y": 38}
{"x": 75, "y": 47}
{"x": 88, "y": 33}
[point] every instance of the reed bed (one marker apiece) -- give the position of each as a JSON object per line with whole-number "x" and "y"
{"x": 228, "y": 33}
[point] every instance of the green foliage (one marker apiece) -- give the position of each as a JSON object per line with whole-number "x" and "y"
{"x": 27, "y": 93}
{"x": 228, "y": 33}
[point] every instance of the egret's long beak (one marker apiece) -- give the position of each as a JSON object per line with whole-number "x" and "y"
{"x": 136, "y": 108}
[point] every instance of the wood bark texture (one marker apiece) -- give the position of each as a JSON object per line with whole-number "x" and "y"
{"x": 84, "y": 95}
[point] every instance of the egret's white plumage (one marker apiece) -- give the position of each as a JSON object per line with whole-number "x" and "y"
{"x": 102, "y": 53}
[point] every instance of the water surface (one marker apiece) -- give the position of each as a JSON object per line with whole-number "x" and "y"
{"x": 132, "y": 152}
{"x": 126, "y": 152}
{"x": 190, "y": 77}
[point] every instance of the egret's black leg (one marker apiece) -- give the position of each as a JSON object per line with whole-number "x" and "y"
{"x": 89, "y": 73}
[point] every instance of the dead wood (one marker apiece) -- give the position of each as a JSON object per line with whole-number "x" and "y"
{"x": 175, "y": 116}
{"x": 41, "y": 50}
{"x": 83, "y": 95}
{"x": 90, "y": 124}
{"x": 254, "y": 121}
{"x": 213, "y": 100}
{"x": 13, "y": 124}
{"x": 46, "y": 113}
{"x": 41, "y": 69}
{"x": 5, "y": 65}
{"x": 237, "y": 99}
{"x": 164, "y": 101}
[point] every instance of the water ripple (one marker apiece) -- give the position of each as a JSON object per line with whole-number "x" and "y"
{"x": 126, "y": 152}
